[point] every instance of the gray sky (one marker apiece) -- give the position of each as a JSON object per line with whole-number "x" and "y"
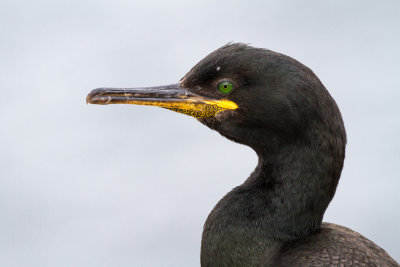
{"x": 131, "y": 186}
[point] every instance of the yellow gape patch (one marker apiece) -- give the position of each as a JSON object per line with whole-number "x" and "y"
{"x": 207, "y": 109}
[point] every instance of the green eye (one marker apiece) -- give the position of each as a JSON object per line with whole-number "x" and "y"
{"x": 225, "y": 87}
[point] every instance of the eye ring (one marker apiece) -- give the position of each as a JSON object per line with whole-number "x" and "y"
{"x": 225, "y": 87}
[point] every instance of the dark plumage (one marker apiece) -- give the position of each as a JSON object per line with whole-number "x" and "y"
{"x": 290, "y": 120}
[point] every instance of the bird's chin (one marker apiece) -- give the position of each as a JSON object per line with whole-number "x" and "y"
{"x": 209, "y": 122}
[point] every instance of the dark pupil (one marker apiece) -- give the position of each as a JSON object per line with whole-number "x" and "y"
{"x": 225, "y": 86}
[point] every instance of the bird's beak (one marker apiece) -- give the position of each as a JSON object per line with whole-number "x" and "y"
{"x": 173, "y": 97}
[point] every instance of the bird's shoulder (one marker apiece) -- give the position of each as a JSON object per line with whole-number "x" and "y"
{"x": 333, "y": 245}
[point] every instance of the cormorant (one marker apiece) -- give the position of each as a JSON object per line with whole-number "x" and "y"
{"x": 278, "y": 107}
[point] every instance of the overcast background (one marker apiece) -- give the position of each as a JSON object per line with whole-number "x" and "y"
{"x": 123, "y": 185}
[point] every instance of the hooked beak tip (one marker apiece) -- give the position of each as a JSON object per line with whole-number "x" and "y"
{"x": 94, "y": 97}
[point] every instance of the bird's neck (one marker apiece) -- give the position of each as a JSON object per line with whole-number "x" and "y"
{"x": 296, "y": 185}
{"x": 283, "y": 199}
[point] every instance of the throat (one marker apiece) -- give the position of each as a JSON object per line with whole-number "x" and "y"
{"x": 284, "y": 199}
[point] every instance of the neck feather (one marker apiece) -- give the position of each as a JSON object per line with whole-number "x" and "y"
{"x": 283, "y": 199}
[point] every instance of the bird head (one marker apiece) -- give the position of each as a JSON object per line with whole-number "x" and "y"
{"x": 253, "y": 96}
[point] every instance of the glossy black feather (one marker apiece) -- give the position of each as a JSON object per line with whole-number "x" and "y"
{"x": 288, "y": 117}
